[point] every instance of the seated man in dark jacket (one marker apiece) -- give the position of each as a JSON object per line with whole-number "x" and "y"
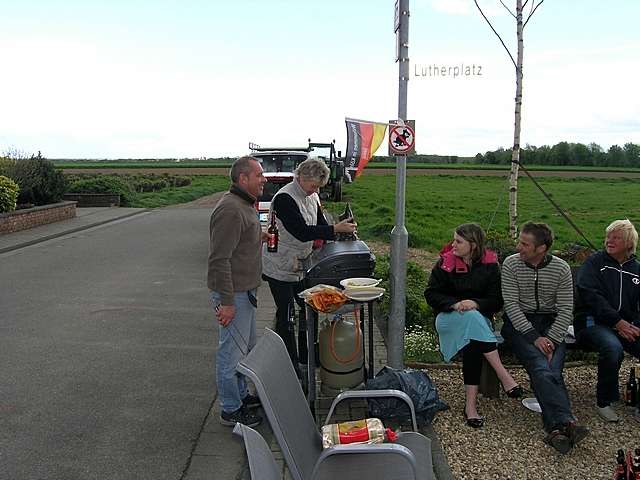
{"x": 607, "y": 318}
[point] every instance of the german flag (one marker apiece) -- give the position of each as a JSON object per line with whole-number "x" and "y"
{"x": 363, "y": 140}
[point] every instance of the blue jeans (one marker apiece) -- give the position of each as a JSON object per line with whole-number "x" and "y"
{"x": 610, "y": 347}
{"x": 236, "y": 340}
{"x": 546, "y": 377}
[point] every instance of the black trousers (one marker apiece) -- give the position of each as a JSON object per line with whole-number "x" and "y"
{"x": 472, "y": 360}
{"x": 284, "y": 294}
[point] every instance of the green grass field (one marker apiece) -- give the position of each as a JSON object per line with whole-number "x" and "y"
{"x": 436, "y": 205}
{"x": 200, "y": 187}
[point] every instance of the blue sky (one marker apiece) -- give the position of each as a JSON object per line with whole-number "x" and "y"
{"x": 191, "y": 78}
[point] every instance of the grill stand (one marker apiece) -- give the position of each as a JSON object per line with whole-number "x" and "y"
{"x": 312, "y": 334}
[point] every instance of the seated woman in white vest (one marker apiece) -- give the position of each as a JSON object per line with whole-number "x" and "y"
{"x": 300, "y": 221}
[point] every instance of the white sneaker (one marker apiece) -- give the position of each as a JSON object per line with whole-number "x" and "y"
{"x": 608, "y": 414}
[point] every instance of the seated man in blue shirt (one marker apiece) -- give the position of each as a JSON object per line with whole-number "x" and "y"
{"x": 607, "y": 318}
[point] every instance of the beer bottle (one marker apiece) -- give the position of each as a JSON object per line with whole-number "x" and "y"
{"x": 347, "y": 215}
{"x": 621, "y": 470}
{"x": 272, "y": 231}
{"x": 631, "y": 389}
{"x": 636, "y": 464}
{"x": 629, "y": 465}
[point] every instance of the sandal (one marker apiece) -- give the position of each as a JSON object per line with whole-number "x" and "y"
{"x": 515, "y": 392}
{"x": 472, "y": 422}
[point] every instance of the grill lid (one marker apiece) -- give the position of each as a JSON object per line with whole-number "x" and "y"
{"x": 336, "y": 261}
{"x": 335, "y": 249}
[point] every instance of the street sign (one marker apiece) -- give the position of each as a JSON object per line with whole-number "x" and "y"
{"x": 402, "y": 138}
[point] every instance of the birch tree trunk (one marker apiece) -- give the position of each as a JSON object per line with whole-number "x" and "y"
{"x": 515, "y": 152}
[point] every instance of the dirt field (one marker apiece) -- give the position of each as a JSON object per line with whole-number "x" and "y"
{"x": 370, "y": 171}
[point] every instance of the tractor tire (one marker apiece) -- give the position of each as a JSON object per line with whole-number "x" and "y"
{"x": 337, "y": 192}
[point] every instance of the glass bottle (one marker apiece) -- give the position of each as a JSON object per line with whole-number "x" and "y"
{"x": 347, "y": 215}
{"x": 272, "y": 231}
{"x": 631, "y": 389}
{"x": 621, "y": 470}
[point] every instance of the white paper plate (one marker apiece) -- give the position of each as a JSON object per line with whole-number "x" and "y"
{"x": 359, "y": 282}
{"x": 363, "y": 294}
{"x": 532, "y": 404}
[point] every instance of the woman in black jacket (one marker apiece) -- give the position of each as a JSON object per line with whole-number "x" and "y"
{"x": 464, "y": 292}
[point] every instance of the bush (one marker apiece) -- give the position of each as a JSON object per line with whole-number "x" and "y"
{"x": 573, "y": 253}
{"x": 39, "y": 181}
{"x": 418, "y": 313}
{"x": 104, "y": 184}
{"x": 9, "y": 191}
{"x": 180, "y": 180}
{"x": 150, "y": 185}
{"x": 153, "y": 183}
{"x": 125, "y": 185}
{"x": 6, "y": 164}
{"x": 501, "y": 243}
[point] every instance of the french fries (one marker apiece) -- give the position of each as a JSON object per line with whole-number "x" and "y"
{"x": 325, "y": 299}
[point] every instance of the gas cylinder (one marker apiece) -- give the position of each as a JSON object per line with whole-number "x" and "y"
{"x": 341, "y": 353}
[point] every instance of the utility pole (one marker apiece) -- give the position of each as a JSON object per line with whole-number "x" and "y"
{"x": 399, "y": 235}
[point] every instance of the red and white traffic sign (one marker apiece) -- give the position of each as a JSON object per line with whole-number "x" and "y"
{"x": 402, "y": 139}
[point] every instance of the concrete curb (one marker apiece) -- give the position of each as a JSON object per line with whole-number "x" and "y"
{"x": 441, "y": 468}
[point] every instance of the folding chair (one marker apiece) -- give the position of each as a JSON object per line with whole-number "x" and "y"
{"x": 270, "y": 369}
{"x": 261, "y": 462}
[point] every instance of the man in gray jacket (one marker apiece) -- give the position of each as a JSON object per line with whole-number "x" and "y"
{"x": 538, "y": 307}
{"x": 233, "y": 277}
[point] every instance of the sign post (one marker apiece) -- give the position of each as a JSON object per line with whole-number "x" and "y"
{"x": 399, "y": 235}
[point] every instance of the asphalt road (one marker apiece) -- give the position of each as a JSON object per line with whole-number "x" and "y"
{"x": 106, "y": 351}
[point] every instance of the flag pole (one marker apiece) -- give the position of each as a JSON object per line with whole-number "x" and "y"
{"x": 399, "y": 235}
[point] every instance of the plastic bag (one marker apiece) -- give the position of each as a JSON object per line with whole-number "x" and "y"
{"x": 415, "y": 383}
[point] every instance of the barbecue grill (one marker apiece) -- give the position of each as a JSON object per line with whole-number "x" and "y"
{"x": 336, "y": 261}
